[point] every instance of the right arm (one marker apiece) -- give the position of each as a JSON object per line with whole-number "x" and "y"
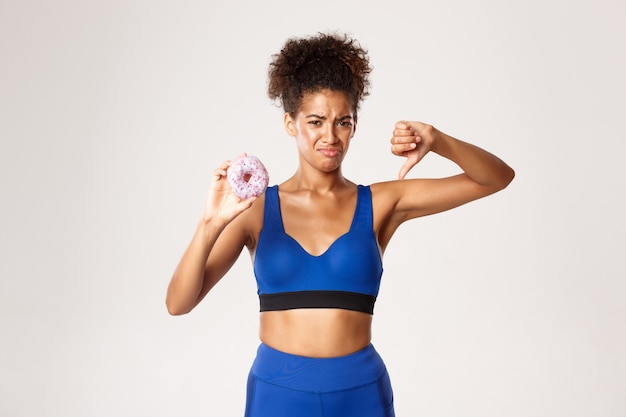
{"x": 217, "y": 243}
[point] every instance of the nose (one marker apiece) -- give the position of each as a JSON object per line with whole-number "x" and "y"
{"x": 329, "y": 134}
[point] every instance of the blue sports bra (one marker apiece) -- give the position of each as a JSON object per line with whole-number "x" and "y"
{"x": 346, "y": 276}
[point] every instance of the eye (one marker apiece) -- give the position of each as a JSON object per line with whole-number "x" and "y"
{"x": 345, "y": 123}
{"x": 315, "y": 122}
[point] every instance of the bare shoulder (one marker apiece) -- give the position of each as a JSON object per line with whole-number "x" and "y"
{"x": 383, "y": 196}
{"x": 388, "y": 195}
{"x": 389, "y": 205}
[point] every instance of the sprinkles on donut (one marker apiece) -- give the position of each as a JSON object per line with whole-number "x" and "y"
{"x": 247, "y": 177}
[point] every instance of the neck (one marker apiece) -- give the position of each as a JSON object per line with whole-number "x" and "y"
{"x": 317, "y": 180}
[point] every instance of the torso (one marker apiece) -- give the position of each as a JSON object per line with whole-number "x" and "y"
{"x": 315, "y": 332}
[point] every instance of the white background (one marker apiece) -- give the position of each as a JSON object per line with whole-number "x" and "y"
{"x": 114, "y": 113}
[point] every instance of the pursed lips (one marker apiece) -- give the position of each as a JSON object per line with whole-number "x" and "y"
{"x": 330, "y": 151}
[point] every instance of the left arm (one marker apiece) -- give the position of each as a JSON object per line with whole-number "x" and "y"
{"x": 483, "y": 174}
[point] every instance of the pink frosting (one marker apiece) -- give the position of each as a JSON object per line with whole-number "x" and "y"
{"x": 258, "y": 178}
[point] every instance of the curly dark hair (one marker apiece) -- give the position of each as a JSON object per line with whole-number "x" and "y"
{"x": 324, "y": 61}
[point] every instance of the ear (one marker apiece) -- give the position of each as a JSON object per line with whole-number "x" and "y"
{"x": 290, "y": 124}
{"x": 354, "y": 126}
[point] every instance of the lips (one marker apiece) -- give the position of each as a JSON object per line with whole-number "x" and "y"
{"x": 330, "y": 152}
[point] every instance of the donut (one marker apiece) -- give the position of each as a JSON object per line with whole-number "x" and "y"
{"x": 247, "y": 177}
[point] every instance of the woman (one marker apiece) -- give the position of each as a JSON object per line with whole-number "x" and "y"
{"x": 317, "y": 239}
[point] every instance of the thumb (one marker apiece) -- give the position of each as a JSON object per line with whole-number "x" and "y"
{"x": 406, "y": 167}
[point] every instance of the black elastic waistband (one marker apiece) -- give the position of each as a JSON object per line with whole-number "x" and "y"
{"x": 318, "y": 299}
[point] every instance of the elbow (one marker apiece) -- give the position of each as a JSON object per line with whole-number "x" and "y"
{"x": 500, "y": 181}
{"x": 508, "y": 177}
{"x": 176, "y": 309}
{"x": 178, "y": 301}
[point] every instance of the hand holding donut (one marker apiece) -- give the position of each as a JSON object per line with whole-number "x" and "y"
{"x": 225, "y": 200}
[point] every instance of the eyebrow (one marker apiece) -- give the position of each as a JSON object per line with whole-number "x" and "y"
{"x": 324, "y": 117}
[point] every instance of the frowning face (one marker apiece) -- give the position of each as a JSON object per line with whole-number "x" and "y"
{"x": 323, "y": 128}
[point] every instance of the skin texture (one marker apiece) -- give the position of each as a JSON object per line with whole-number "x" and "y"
{"x": 322, "y": 129}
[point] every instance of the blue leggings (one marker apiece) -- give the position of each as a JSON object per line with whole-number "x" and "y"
{"x": 284, "y": 385}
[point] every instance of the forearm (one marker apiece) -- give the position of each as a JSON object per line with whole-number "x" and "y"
{"x": 482, "y": 167}
{"x": 187, "y": 282}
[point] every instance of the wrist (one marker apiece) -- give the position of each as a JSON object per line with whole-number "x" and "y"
{"x": 440, "y": 142}
{"x": 209, "y": 225}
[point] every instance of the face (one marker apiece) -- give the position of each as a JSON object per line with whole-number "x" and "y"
{"x": 323, "y": 128}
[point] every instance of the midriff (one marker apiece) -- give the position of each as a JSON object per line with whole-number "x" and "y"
{"x": 316, "y": 332}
